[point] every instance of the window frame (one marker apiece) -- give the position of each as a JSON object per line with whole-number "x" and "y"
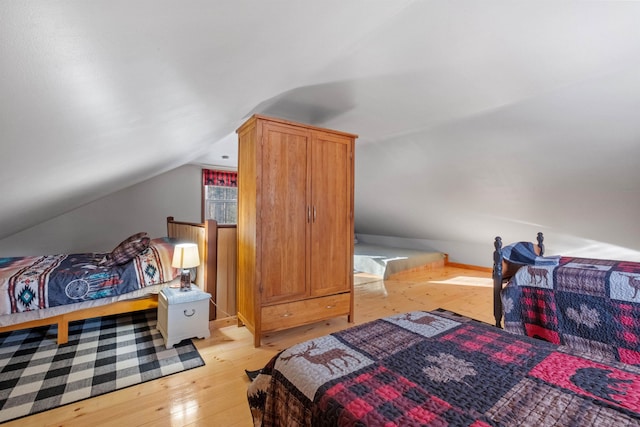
{"x": 224, "y": 178}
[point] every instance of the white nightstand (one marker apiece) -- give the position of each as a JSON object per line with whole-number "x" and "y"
{"x": 183, "y": 314}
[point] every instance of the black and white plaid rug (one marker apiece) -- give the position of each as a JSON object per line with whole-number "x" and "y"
{"x": 103, "y": 355}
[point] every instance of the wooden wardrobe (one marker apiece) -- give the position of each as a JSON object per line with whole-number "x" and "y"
{"x": 295, "y": 224}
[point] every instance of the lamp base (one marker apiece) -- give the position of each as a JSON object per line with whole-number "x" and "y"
{"x": 185, "y": 280}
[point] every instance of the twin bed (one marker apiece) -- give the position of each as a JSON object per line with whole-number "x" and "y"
{"x": 592, "y": 305}
{"x": 442, "y": 369}
{"x": 58, "y": 289}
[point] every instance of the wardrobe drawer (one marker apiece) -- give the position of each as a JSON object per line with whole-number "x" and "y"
{"x": 282, "y": 316}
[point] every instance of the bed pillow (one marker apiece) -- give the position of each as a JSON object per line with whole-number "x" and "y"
{"x": 126, "y": 250}
{"x": 154, "y": 264}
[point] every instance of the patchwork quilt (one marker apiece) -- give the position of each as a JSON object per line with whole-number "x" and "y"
{"x": 33, "y": 283}
{"x": 589, "y": 304}
{"x": 440, "y": 369}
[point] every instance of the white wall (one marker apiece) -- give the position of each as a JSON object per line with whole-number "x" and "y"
{"x": 481, "y": 255}
{"x": 101, "y": 225}
{"x": 463, "y": 253}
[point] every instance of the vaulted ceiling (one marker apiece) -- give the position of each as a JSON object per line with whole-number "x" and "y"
{"x": 475, "y": 117}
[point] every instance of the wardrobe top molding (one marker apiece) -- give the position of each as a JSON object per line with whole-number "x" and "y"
{"x": 291, "y": 123}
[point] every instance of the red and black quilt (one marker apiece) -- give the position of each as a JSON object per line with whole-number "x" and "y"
{"x": 440, "y": 369}
{"x": 588, "y": 304}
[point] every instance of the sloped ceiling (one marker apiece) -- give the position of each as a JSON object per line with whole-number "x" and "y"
{"x": 476, "y": 117}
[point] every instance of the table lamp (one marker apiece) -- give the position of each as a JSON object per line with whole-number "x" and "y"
{"x": 185, "y": 257}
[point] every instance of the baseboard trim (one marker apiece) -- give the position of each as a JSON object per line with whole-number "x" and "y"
{"x": 469, "y": 267}
{"x": 426, "y": 267}
{"x": 223, "y": 321}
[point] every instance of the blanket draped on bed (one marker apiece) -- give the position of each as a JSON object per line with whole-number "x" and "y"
{"x": 440, "y": 369}
{"x": 522, "y": 253}
{"x": 32, "y": 283}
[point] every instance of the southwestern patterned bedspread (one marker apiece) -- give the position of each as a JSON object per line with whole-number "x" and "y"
{"x": 588, "y": 304}
{"x": 37, "y": 282}
{"x": 441, "y": 369}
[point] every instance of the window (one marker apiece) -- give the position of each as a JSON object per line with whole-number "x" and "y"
{"x": 220, "y": 196}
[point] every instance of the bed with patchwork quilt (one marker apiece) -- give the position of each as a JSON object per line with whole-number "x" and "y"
{"x": 589, "y": 304}
{"x": 441, "y": 369}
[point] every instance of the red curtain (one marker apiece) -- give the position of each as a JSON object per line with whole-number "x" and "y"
{"x": 219, "y": 178}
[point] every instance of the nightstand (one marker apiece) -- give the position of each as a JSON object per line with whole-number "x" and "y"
{"x": 183, "y": 314}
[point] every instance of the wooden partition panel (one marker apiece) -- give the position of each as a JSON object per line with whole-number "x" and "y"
{"x": 205, "y": 235}
{"x": 226, "y": 280}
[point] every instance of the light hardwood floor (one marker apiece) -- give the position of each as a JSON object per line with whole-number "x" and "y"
{"x": 215, "y": 394}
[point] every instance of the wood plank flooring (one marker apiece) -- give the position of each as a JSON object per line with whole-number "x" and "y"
{"x": 215, "y": 395}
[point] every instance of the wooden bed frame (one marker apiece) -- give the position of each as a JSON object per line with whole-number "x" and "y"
{"x": 502, "y": 271}
{"x": 204, "y": 235}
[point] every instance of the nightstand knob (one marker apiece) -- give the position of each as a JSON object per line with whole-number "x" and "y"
{"x": 193, "y": 311}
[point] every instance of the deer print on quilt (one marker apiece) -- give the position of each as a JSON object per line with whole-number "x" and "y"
{"x": 440, "y": 369}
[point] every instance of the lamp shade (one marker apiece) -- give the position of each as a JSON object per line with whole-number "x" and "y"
{"x": 185, "y": 255}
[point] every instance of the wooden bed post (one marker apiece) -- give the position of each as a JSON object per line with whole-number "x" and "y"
{"x": 498, "y": 275}
{"x": 170, "y": 219}
{"x": 540, "y": 238}
{"x": 497, "y": 281}
{"x": 63, "y": 331}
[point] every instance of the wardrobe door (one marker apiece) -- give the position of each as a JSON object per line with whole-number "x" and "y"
{"x": 283, "y": 212}
{"x": 332, "y": 214}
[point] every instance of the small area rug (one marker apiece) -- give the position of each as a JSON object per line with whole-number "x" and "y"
{"x": 103, "y": 355}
